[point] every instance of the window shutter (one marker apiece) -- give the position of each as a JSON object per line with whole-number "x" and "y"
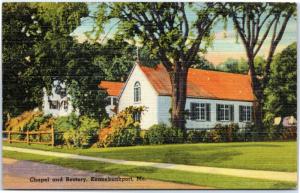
{"x": 251, "y": 113}
{"x": 231, "y": 113}
{"x": 218, "y": 112}
{"x": 207, "y": 112}
{"x": 241, "y": 113}
{"x": 192, "y": 111}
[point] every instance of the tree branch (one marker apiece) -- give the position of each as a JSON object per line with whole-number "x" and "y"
{"x": 264, "y": 37}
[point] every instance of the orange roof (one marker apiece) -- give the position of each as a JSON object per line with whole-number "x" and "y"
{"x": 112, "y": 88}
{"x": 204, "y": 84}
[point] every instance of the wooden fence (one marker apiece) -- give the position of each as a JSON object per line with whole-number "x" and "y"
{"x": 27, "y": 138}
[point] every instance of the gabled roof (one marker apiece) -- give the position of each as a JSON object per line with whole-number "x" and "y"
{"x": 112, "y": 88}
{"x": 204, "y": 84}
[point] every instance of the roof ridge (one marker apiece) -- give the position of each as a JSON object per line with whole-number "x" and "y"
{"x": 197, "y": 69}
{"x": 217, "y": 71}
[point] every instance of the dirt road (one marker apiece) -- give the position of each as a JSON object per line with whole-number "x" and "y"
{"x": 33, "y": 175}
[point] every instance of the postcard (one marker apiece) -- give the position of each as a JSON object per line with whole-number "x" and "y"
{"x": 149, "y": 95}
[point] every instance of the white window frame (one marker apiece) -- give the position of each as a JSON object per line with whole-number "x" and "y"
{"x": 51, "y": 103}
{"x": 225, "y": 112}
{"x": 137, "y": 92}
{"x": 201, "y": 114}
{"x": 116, "y": 99}
{"x": 246, "y": 113}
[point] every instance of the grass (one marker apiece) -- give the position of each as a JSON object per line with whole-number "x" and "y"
{"x": 208, "y": 180}
{"x": 276, "y": 156}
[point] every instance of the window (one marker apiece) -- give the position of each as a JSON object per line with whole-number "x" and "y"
{"x": 53, "y": 104}
{"x": 200, "y": 111}
{"x": 137, "y": 116}
{"x": 225, "y": 112}
{"x": 65, "y": 103}
{"x": 137, "y": 92}
{"x": 115, "y": 101}
{"x": 245, "y": 113}
{"x": 107, "y": 101}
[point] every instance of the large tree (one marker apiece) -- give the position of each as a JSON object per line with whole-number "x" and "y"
{"x": 255, "y": 23}
{"x": 82, "y": 77}
{"x": 117, "y": 57}
{"x": 36, "y": 38}
{"x": 17, "y": 47}
{"x": 174, "y": 38}
{"x": 281, "y": 91}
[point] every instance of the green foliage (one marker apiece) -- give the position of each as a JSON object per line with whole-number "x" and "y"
{"x": 64, "y": 123}
{"x": 123, "y": 130}
{"x": 88, "y": 131}
{"x": 234, "y": 65}
{"x": 281, "y": 97}
{"x": 162, "y": 134}
{"x": 84, "y": 135}
{"x": 20, "y": 93}
{"x": 202, "y": 63}
{"x": 241, "y": 66}
{"x": 36, "y": 39}
{"x": 35, "y": 123}
{"x": 224, "y": 133}
{"x": 116, "y": 64}
{"x": 82, "y": 79}
{"x": 213, "y": 136}
{"x": 278, "y": 132}
{"x": 195, "y": 136}
{"x": 76, "y": 131}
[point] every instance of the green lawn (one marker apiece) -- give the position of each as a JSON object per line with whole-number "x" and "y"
{"x": 208, "y": 180}
{"x": 277, "y": 156}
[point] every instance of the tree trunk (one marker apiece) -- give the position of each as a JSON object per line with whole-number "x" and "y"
{"x": 179, "y": 82}
{"x": 258, "y": 103}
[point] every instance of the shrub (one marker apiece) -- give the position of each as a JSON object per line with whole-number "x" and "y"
{"x": 278, "y": 132}
{"x": 251, "y": 133}
{"x": 84, "y": 134}
{"x": 22, "y": 121}
{"x": 27, "y": 121}
{"x": 88, "y": 131}
{"x": 65, "y": 123}
{"x": 195, "y": 136}
{"x": 213, "y": 136}
{"x": 75, "y": 131}
{"x": 123, "y": 130}
{"x": 64, "y": 127}
{"x": 162, "y": 134}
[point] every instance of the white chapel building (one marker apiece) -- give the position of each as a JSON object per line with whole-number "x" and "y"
{"x": 212, "y": 97}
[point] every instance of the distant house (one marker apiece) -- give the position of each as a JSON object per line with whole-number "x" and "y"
{"x": 113, "y": 90}
{"x": 58, "y": 103}
{"x": 212, "y": 97}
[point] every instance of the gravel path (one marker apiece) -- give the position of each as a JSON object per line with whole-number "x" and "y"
{"x": 18, "y": 173}
{"x": 257, "y": 174}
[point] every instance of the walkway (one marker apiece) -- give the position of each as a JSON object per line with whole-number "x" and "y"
{"x": 257, "y": 174}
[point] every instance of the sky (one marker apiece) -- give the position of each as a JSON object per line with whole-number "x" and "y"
{"x": 223, "y": 47}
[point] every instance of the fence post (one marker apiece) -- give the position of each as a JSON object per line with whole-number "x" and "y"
{"x": 9, "y": 137}
{"x": 27, "y": 132}
{"x": 52, "y": 133}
